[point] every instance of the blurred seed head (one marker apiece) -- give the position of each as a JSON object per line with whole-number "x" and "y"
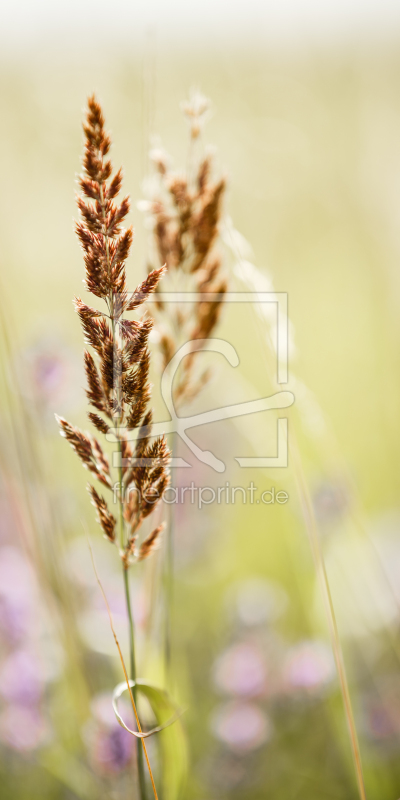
{"x": 196, "y": 110}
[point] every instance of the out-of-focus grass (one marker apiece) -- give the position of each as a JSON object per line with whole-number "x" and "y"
{"x": 311, "y": 147}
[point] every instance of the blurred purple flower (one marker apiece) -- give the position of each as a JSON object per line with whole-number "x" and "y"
{"x": 112, "y": 749}
{"x": 50, "y": 373}
{"x": 381, "y": 710}
{"x": 379, "y": 722}
{"x": 308, "y": 666}
{"x": 16, "y": 574}
{"x": 240, "y": 670}
{"x": 241, "y": 726}
{"x": 18, "y": 593}
{"x": 22, "y": 678}
{"x": 23, "y": 728}
{"x": 110, "y": 746}
{"x": 14, "y": 618}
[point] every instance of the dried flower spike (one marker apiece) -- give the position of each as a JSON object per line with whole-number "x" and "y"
{"x": 117, "y": 370}
{"x": 185, "y": 214}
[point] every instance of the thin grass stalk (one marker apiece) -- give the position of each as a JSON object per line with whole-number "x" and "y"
{"x": 356, "y": 515}
{"x": 132, "y": 693}
{"x": 309, "y": 519}
{"x": 132, "y": 661}
{"x": 312, "y": 531}
{"x": 131, "y": 633}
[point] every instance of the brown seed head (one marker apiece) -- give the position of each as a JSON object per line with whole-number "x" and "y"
{"x": 117, "y": 371}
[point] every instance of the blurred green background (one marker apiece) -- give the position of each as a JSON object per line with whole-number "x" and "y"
{"x": 309, "y": 136}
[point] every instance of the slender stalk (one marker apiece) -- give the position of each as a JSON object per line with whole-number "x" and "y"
{"x": 140, "y": 745}
{"x": 319, "y": 562}
{"x": 330, "y": 613}
{"x": 131, "y": 692}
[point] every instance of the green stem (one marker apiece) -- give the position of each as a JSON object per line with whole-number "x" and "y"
{"x": 140, "y": 761}
{"x": 140, "y": 745}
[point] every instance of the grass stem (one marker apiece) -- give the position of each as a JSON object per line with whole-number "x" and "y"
{"x": 132, "y": 692}
{"x": 140, "y": 745}
{"x": 309, "y": 518}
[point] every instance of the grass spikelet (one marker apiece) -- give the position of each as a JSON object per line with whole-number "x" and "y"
{"x": 117, "y": 369}
{"x": 151, "y": 543}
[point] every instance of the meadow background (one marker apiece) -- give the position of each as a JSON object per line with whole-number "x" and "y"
{"x": 306, "y": 124}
